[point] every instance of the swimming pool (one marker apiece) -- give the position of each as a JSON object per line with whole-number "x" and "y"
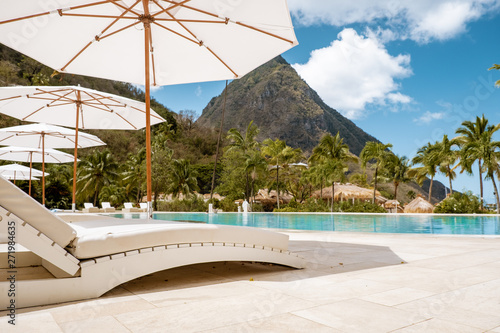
{"x": 383, "y": 223}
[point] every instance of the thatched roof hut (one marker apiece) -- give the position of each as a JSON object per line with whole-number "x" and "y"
{"x": 390, "y": 204}
{"x": 348, "y": 192}
{"x": 419, "y": 205}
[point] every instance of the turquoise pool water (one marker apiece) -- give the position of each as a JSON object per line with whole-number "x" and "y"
{"x": 447, "y": 225}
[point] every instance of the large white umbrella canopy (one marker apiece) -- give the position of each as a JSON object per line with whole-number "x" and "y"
{"x": 34, "y": 155}
{"x": 71, "y": 105}
{"x": 46, "y": 136}
{"x": 150, "y": 42}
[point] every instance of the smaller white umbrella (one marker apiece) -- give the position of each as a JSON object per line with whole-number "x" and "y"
{"x": 19, "y": 172}
{"x": 14, "y": 178}
{"x": 34, "y": 155}
{"x": 44, "y": 135}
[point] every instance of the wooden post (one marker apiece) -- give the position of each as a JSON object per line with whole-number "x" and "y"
{"x": 78, "y": 106}
{"x": 31, "y": 166}
{"x": 43, "y": 168}
{"x": 147, "y": 32}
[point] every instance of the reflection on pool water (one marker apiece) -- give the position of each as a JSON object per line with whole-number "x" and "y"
{"x": 385, "y": 223}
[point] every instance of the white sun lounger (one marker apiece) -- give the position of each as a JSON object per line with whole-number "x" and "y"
{"x": 88, "y": 207}
{"x": 143, "y": 206}
{"x": 128, "y": 207}
{"x": 90, "y": 257}
{"x": 106, "y": 207}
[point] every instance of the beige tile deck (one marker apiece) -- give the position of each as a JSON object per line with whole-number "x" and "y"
{"x": 354, "y": 282}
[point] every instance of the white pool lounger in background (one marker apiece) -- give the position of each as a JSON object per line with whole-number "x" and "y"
{"x": 87, "y": 258}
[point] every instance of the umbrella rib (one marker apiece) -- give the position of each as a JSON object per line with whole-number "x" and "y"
{"x": 264, "y": 32}
{"x": 200, "y": 42}
{"x": 59, "y": 11}
{"x": 239, "y": 23}
{"x": 177, "y": 33}
{"x": 48, "y": 105}
{"x": 117, "y": 31}
{"x": 101, "y": 16}
{"x": 97, "y": 38}
{"x": 128, "y": 122}
{"x": 13, "y": 97}
{"x": 151, "y": 49}
{"x": 92, "y": 98}
{"x": 152, "y": 115}
{"x": 165, "y": 10}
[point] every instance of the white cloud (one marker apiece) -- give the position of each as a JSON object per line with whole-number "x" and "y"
{"x": 355, "y": 71}
{"x": 428, "y": 117}
{"x": 143, "y": 88}
{"x": 198, "y": 91}
{"x": 420, "y": 20}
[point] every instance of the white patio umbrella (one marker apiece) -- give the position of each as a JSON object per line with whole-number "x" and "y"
{"x": 20, "y": 172}
{"x": 150, "y": 42}
{"x": 50, "y": 136}
{"x": 10, "y": 177}
{"x": 75, "y": 107}
{"x": 34, "y": 155}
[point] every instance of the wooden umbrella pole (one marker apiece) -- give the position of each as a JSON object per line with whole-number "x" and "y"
{"x": 78, "y": 106}
{"x": 31, "y": 166}
{"x": 43, "y": 168}
{"x": 147, "y": 29}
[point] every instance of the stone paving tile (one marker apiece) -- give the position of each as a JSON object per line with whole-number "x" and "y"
{"x": 446, "y": 306}
{"x": 196, "y": 294}
{"x": 356, "y": 315}
{"x": 105, "y": 324}
{"x": 457, "y": 261}
{"x": 30, "y": 323}
{"x": 99, "y": 307}
{"x": 282, "y": 323}
{"x": 438, "y": 325}
{"x": 397, "y": 296}
{"x": 210, "y": 314}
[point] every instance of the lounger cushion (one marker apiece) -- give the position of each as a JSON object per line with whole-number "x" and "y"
{"x": 104, "y": 237}
{"x": 22, "y": 205}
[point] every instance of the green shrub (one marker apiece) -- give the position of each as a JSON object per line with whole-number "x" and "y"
{"x": 227, "y": 205}
{"x": 318, "y": 205}
{"x": 459, "y": 203}
{"x": 187, "y": 205}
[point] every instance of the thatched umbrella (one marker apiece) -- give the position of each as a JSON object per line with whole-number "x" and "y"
{"x": 419, "y": 205}
{"x": 393, "y": 206}
{"x": 350, "y": 191}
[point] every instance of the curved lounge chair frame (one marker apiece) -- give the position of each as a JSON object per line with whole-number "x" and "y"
{"x": 77, "y": 279}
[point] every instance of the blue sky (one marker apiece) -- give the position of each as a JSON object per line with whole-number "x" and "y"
{"x": 405, "y": 72}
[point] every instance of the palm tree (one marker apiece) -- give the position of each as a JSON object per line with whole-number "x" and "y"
{"x": 280, "y": 155}
{"x": 446, "y": 157}
{"x": 492, "y": 163}
{"x": 429, "y": 160}
{"x": 182, "y": 179}
{"x": 473, "y": 142}
{"x": 374, "y": 151}
{"x": 332, "y": 153}
{"x": 254, "y": 165}
{"x": 242, "y": 145}
{"x": 96, "y": 171}
{"x": 134, "y": 175}
{"x": 397, "y": 168}
{"x": 114, "y": 194}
